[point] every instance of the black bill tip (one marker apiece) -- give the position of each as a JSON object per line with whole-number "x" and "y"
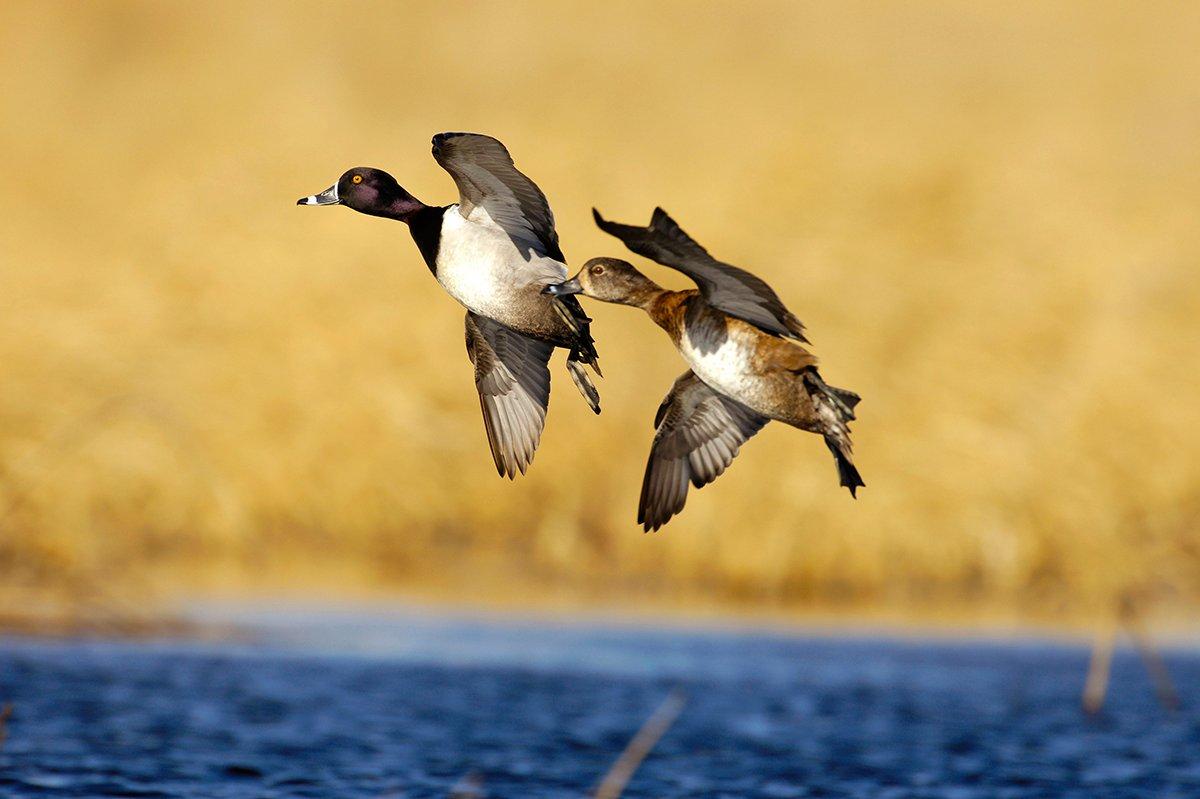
{"x": 563, "y": 289}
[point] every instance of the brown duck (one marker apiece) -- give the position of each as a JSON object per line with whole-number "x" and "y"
{"x": 748, "y": 365}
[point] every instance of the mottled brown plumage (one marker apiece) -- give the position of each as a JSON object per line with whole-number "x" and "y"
{"x": 748, "y": 365}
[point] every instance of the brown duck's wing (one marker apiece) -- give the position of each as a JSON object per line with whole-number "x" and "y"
{"x": 728, "y": 288}
{"x": 513, "y": 380}
{"x": 698, "y": 435}
{"x": 486, "y": 177}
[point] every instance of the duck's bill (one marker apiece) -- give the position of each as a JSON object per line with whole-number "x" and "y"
{"x": 571, "y": 286}
{"x": 327, "y": 197}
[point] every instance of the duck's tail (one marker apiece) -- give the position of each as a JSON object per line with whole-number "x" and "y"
{"x": 583, "y": 350}
{"x": 848, "y": 475}
{"x": 582, "y": 380}
{"x": 835, "y": 406}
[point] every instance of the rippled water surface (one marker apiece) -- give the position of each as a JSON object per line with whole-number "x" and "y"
{"x": 401, "y": 706}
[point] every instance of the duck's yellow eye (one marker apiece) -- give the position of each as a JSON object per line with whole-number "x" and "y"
{"x": 356, "y": 179}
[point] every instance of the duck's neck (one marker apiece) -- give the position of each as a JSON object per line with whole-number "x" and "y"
{"x": 404, "y": 207}
{"x": 666, "y": 308}
{"x": 644, "y": 295}
{"x": 425, "y": 225}
{"x": 392, "y": 202}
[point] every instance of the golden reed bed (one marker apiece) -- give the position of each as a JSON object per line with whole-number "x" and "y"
{"x": 985, "y": 216}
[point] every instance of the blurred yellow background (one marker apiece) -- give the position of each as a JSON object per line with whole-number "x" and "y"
{"x": 985, "y": 213}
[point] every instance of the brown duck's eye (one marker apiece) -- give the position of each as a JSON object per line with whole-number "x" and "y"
{"x": 597, "y": 270}
{"x": 356, "y": 179}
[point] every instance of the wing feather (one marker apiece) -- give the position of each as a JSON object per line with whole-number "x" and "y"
{"x": 726, "y": 287}
{"x": 486, "y": 178}
{"x": 699, "y": 433}
{"x": 512, "y": 377}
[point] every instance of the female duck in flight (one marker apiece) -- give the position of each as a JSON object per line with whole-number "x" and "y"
{"x": 747, "y": 364}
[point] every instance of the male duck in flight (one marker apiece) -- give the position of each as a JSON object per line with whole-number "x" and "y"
{"x": 747, "y": 364}
{"x": 493, "y": 251}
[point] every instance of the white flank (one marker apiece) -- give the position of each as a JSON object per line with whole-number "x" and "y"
{"x": 480, "y": 266}
{"x": 728, "y": 369}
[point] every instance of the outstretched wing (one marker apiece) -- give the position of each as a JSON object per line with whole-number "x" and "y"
{"x": 486, "y": 178}
{"x": 728, "y": 288}
{"x": 513, "y": 380}
{"x": 698, "y": 435}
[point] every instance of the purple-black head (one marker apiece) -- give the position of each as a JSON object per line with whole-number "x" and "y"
{"x": 368, "y": 191}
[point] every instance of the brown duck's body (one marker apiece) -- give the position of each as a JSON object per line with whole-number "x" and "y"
{"x": 747, "y": 364}
{"x": 765, "y": 373}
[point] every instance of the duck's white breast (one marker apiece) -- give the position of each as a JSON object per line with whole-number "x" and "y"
{"x": 480, "y": 266}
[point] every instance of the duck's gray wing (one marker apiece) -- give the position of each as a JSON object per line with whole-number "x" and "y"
{"x": 698, "y": 435}
{"x": 513, "y": 380}
{"x": 727, "y": 288}
{"x": 486, "y": 178}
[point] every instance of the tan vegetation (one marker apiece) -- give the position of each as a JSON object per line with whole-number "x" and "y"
{"x": 985, "y": 214}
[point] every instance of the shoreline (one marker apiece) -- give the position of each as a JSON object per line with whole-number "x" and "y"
{"x": 234, "y": 616}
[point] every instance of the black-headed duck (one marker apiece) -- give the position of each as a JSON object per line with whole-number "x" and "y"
{"x": 748, "y": 364}
{"x": 493, "y": 251}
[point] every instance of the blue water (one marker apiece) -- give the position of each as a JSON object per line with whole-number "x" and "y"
{"x": 405, "y": 706}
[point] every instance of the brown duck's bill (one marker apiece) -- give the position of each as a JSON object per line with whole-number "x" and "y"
{"x": 571, "y": 286}
{"x": 327, "y": 197}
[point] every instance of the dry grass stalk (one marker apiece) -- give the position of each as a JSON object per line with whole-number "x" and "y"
{"x": 1160, "y": 677}
{"x": 1130, "y": 619}
{"x": 614, "y": 782}
{"x": 1099, "y": 668}
{"x": 5, "y": 715}
{"x": 470, "y": 786}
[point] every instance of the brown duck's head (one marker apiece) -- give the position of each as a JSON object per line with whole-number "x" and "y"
{"x": 609, "y": 280}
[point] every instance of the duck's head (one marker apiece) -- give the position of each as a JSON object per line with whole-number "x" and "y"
{"x": 609, "y": 280}
{"x": 368, "y": 191}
